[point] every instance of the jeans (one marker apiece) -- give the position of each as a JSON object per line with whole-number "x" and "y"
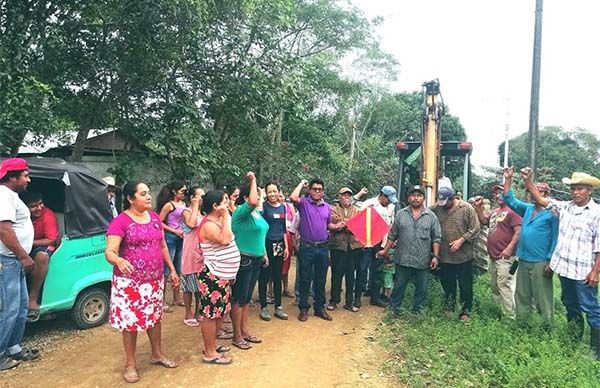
{"x": 343, "y": 265}
{"x": 503, "y": 284}
{"x": 403, "y": 277}
{"x": 362, "y": 273}
{"x": 245, "y": 281}
{"x": 175, "y": 245}
{"x": 313, "y": 262}
{"x": 578, "y": 297}
{"x": 534, "y": 288}
{"x": 272, "y": 271}
{"x": 463, "y": 273}
{"x": 375, "y": 272}
{"x": 13, "y": 305}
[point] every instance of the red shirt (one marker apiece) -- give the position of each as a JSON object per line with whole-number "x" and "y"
{"x": 46, "y": 226}
{"x": 502, "y": 223}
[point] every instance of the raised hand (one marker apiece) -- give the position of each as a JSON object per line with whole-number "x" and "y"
{"x": 508, "y": 172}
{"x": 526, "y": 173}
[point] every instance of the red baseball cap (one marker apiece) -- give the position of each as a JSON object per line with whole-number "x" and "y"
{"x": 12, "y": 164}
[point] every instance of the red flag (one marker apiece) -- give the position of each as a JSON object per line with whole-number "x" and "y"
{"x": 368, "y": 226}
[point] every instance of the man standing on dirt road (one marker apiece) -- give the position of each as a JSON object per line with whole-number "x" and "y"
{"x": 313, "y": 255}
{"x": 16, "y": 240}
{"x": 418, "y": 235}
{"x": 385, "y": 205}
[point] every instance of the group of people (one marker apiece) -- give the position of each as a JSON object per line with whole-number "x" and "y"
{"x": 214, "y": 247}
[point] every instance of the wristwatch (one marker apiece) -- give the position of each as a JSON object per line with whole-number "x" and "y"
{"x": 435, "y": 257}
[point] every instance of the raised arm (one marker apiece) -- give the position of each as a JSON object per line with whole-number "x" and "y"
{"x": 360, "y": 194}
{"x": 253, "y": 197}
{"x": 295, "y": 195}
{"x": 483, "y": 218}
{"x": 526, "y": 174}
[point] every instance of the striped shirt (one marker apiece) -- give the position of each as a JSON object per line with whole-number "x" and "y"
{"x": 460, "y": 221}
{"x": 223, "y": 261}
{"x": 578, "y": 238}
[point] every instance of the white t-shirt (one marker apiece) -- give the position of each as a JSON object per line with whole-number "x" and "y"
{"x": 14, "y": 210}
{"x": 386, "y": 212}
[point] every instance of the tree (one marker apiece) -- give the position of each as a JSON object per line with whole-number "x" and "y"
{"x": 561, "y": 153}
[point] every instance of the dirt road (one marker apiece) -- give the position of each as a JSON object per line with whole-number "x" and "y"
{"x": 294, "y": 354}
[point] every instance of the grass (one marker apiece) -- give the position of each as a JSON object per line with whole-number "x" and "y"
{"x": 432, "y": 349}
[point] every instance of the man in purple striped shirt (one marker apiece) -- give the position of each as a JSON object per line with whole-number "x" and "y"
{"x": 313, "y": 255}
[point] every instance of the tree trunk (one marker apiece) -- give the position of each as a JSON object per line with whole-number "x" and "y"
{"x": 15, "y": 142}
{"x": 352, "y": 148}
{"x": 79, "y": 146}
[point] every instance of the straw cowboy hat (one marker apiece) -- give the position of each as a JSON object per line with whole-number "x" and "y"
{"x": 109, "y": 180}
{"x": 581, "y": 178}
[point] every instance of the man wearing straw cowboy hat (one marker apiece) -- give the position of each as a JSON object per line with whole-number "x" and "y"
{"x": 576, "y": 258}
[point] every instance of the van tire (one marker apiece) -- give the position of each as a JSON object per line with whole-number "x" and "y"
{"x": 91, "y": 308}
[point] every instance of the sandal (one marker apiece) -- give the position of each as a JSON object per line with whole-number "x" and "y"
{"x": 33, "y": 315}
{"x": 191, "y": 322}
{"x": 289, "y": 294}
{"x": 331, "y": 306}
{"x": 25, "y": 355}
{"x": 225, "y": 336}
{"x": 164, "y": 362}
{"x": 253, "y": 339}
{"x": 167, "y": 309}
{"x": 221, "y": 360}
{"x": 221, "y": 349}
{"x": 351, "y": 308}
{"x": 242, "y": 345}
{"x": 130, "y": 375}
{"x": 8, "y": 363}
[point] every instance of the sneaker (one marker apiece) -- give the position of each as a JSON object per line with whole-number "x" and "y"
{"x": 279, "y": 313}
{"x": 265, "y": 315}
{"x": 378, "y": 303}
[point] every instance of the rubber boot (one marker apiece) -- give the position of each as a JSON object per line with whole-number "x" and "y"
{"x": 595, "y": 343}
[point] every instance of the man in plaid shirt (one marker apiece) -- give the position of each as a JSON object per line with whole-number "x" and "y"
{"x": 576, "y": 258}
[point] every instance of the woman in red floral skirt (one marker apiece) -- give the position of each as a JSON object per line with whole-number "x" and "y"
{"x": 136, "y": 248}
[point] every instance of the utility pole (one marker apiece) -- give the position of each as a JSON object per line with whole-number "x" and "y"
{"x": 535, "y": 88}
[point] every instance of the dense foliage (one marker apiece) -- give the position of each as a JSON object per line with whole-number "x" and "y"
{"x": 288, "y": 88}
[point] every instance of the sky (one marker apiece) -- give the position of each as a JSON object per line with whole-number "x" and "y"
{"x": 481, "y": 51}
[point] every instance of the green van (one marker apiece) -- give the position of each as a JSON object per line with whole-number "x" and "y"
{"x": 78, "y": 275}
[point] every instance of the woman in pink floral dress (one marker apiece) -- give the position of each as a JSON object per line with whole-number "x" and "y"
{"x": 136, "y": 248}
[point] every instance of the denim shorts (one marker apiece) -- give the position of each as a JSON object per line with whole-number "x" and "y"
{"x": 37, "y": 250}
{"x": 245, "y": 281}
{"x": 175, "y": 245}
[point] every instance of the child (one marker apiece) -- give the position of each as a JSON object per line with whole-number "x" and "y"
{"x": 389, "y": 269}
